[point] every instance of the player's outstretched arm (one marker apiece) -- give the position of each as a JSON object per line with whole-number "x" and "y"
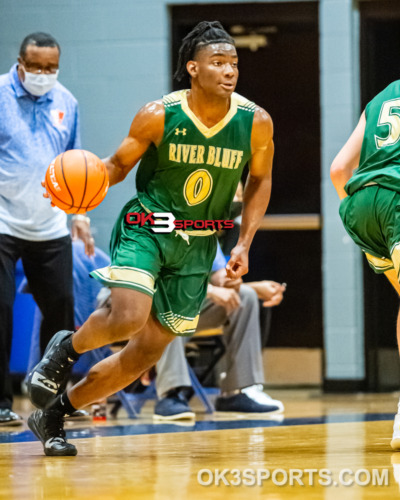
{"x": 257, "y": 191}
{"x": 147, "y": 127}
{"x": 348, "y": 159}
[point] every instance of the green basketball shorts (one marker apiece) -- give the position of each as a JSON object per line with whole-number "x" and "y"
{"x": 371, "y": 216}
{"x": 173, "y": 270}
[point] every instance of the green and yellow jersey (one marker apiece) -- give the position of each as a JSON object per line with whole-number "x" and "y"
{"x": 195, "y": 170}
{"x": 380, "y": 152}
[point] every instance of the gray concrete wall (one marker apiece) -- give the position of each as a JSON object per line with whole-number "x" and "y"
{"x": 342, "y": 278}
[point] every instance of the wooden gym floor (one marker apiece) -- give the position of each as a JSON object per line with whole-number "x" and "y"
{"x": 325, "y": 447}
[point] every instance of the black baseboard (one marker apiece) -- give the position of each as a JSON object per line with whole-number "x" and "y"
{"x": 344, "y": 386}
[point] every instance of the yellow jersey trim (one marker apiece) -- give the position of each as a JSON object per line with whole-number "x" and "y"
{"x": 237, "y": 102}
{"x": 214, "y": 130}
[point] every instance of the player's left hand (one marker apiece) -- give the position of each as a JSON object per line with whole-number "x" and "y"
{"x": 80, "y": 229}
{"x": 238, "y": 264}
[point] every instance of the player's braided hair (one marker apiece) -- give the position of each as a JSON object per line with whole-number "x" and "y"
{"x": 204, "y": 33}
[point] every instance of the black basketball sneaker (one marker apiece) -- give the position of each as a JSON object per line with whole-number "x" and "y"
{"x": 50, "y": 375}
{"x": 48, "y": 427}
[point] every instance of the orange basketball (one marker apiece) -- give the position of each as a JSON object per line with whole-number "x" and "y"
{"x": 76, "y": 181}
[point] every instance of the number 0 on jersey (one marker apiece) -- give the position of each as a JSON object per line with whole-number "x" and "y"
{"x": 198, "y": 187}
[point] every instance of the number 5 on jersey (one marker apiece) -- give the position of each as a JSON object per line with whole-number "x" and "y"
{"x": 390, "y": 115}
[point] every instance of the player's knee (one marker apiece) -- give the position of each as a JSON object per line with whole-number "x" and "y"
{"x": 125, "y": 324}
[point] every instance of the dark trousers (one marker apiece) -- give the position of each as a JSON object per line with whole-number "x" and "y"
{"x": 48, "y": 269}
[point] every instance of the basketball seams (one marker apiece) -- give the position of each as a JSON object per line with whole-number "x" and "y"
{"x": 56, "y": 182}
{"x": 101, "y": 187}
{"x": 68, "y": 172}
{"x": 86, "y": 178}
{"x": 65, "y": 180}
{"x": 51, "y": 192}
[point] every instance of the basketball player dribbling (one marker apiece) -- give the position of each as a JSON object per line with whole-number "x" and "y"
{"x": 193, "y": 145}
{"x": 366, "y": 176}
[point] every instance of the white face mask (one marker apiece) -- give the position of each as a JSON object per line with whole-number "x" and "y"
{"x": 39, "y": 84}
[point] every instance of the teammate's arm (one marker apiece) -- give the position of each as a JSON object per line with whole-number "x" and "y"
{"x": 256, "y": 193}
{"x": 147, "y": 128}
{"x": 348, "y": 159}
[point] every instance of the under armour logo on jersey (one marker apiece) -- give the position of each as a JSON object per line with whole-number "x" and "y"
{"x": 177, "y": 131}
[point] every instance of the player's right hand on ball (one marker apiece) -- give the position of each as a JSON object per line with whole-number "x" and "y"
{"x": 46, "y": 194}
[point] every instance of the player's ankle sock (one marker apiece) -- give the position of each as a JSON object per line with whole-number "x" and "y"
{"x": 63, "y": 405}
{"x": 67, "y": 345}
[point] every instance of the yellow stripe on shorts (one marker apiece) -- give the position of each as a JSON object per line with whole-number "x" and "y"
{"x": 395, "y": 254}
{"x": 180, "y": 325}
{"x": 379, "y": 263}
{"x": 130, "y": 277}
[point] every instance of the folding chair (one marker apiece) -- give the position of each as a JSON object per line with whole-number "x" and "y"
{"x": 210, "y": 338}
{"x": 133, "y": 402}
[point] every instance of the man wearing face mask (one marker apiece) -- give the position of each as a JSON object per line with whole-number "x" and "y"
{"x": 39, "y": 120}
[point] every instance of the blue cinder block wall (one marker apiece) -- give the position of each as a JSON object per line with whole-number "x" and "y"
{"x": 114, "y": 59}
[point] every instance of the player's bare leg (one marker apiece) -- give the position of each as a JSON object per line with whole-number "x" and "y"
{"x": 127, "y": 316}
{"x": 143, "y": 350}
{"x": 395, "y": 443}
{"x": 114, "y": 373}
{"x": 393, "y": 278}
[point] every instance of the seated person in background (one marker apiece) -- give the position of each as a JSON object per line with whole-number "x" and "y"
{"x": 86, "y": 289}
{"x": 235, "y": 306}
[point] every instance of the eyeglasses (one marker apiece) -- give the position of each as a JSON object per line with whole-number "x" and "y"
{"x": 38, "y": 70}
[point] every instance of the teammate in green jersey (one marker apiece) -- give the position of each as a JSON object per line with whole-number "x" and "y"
{"x": 366, "y": 175}
{"x": 194, "y": 146}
